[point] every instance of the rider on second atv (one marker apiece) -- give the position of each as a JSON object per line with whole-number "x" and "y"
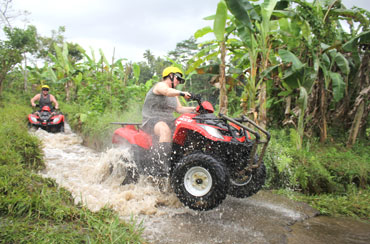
{"x": 45, "y": 99}
{"x": 160, "y": 103}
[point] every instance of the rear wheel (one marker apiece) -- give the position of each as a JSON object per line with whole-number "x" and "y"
{"x": 200, "y": 181}
{"x": 242, "y": 186}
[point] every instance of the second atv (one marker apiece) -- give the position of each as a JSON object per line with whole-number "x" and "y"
{"x": 212, "y": 156}
{"x": 46, "y": 120}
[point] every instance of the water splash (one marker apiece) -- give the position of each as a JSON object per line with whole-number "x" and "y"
{"x": 95, "y": 178}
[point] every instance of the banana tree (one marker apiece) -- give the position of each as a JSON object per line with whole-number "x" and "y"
{"x": 62, "y": 69}
{"x": 361, "y": 83}
{"x": 322, "y": 57}
{"x": 219, "y": 30}
{"x": 212, "y": 49}
{"x": 254, "y": 30}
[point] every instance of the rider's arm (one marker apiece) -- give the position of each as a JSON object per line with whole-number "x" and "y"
{"x": 53, "y": 100}
{"x": 182, "y": 110}
{"x": 34, "y": 99}
{"x": 162, "y": 89}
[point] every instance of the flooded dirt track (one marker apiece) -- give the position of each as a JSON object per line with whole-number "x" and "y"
{"x": 262, "y": 218}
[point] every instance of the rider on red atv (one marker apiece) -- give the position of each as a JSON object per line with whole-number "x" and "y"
{"x": 45, "y": 99}
{"x": 160, "y": 103}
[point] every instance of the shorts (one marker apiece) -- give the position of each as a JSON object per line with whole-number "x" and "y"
{"x": 148, "y": 127}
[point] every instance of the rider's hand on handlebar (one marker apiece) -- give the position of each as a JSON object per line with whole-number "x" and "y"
{"x": 196, "y": 97}
{"x": 187, "y": 95}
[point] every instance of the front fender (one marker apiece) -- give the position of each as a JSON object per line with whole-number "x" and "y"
{"x": 182, "y": 129}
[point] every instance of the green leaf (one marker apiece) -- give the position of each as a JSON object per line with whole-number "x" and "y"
{"x": 202, "y": 32}
{"x": 83, "y": 117}
{"x": 309, "y": 78}
{"x": 104, "y": 58}
{"x": 288, "y": 57}
{"x": 266, "y": 9}
{"x": 338, "y": 86}
{"x": 326, "y": 60}
{"x": 78, "y": 78}
{"x": 285, "y": 93}
{"x": 239, "y": 9}
{"x": 211, "y": 17}
{"x": 52, "y": 75}
{"x": 220, "y": 21}
{"x": 136, "y": 68}
{"x": 284, "y": 13}
{"x": 291, "y": 79}
{"x": 268, "y": 71}
{"x": 351, "y": 45}
{"x": 342, "y": 63}
{"x": 303, "y": 98}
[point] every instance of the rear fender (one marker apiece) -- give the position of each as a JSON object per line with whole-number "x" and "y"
{"x": 133, "y": 136}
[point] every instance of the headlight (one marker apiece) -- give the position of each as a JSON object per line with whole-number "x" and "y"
{"x": 212, "y": 131}
{"x": 56, "y": 120}
{"x": 33, "y": 119}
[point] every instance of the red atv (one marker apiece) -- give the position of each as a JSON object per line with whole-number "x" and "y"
{"x": 46, "y": 120}
{"x": 211, "y": 156}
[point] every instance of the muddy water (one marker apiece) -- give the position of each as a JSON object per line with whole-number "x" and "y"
{"x": 263, "y": 218}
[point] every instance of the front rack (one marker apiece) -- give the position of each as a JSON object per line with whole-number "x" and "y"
{"x": 239, "y": 121}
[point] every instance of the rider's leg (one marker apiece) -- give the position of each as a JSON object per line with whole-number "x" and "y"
{"x": 162, "y": 130}
{"x": 163, "y": 149}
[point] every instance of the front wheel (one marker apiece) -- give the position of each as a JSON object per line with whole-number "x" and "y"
{"x": 200, "y": 181}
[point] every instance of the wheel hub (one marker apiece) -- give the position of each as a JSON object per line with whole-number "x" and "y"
{"x": 198, "y": 181}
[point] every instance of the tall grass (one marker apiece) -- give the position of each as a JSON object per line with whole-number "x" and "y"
{"x": 330, "y": 177}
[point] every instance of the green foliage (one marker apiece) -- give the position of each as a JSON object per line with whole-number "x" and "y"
{"x": 354, "y": 203}
{"x": 17, "y": 146}
{"x": 9, "y": 57}
{"x": 315, "y": 169}
{"x": 22, "y": 40}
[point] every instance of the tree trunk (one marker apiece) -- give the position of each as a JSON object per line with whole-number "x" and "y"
{"x": 223, "y": 93}
{"x": 360, "y": 109}
{"x": 262, "y": 106}
{"x": 68, "y": 87}
{"x": 323, "y": 126}
{"x": 356, "y": 125}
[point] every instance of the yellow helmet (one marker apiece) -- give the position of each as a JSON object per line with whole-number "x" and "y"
{"x": 170, "y": 70}
{"x": 45, "y": 86}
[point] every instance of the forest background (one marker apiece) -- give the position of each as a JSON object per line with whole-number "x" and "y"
{"x": 290, "y": 65}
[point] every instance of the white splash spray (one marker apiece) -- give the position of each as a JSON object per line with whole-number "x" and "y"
{"x": 95, "y": 178}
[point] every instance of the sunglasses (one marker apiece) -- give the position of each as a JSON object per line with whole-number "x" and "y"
{"x": 45, "y": 89}
{"x": 179, "y": 78}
